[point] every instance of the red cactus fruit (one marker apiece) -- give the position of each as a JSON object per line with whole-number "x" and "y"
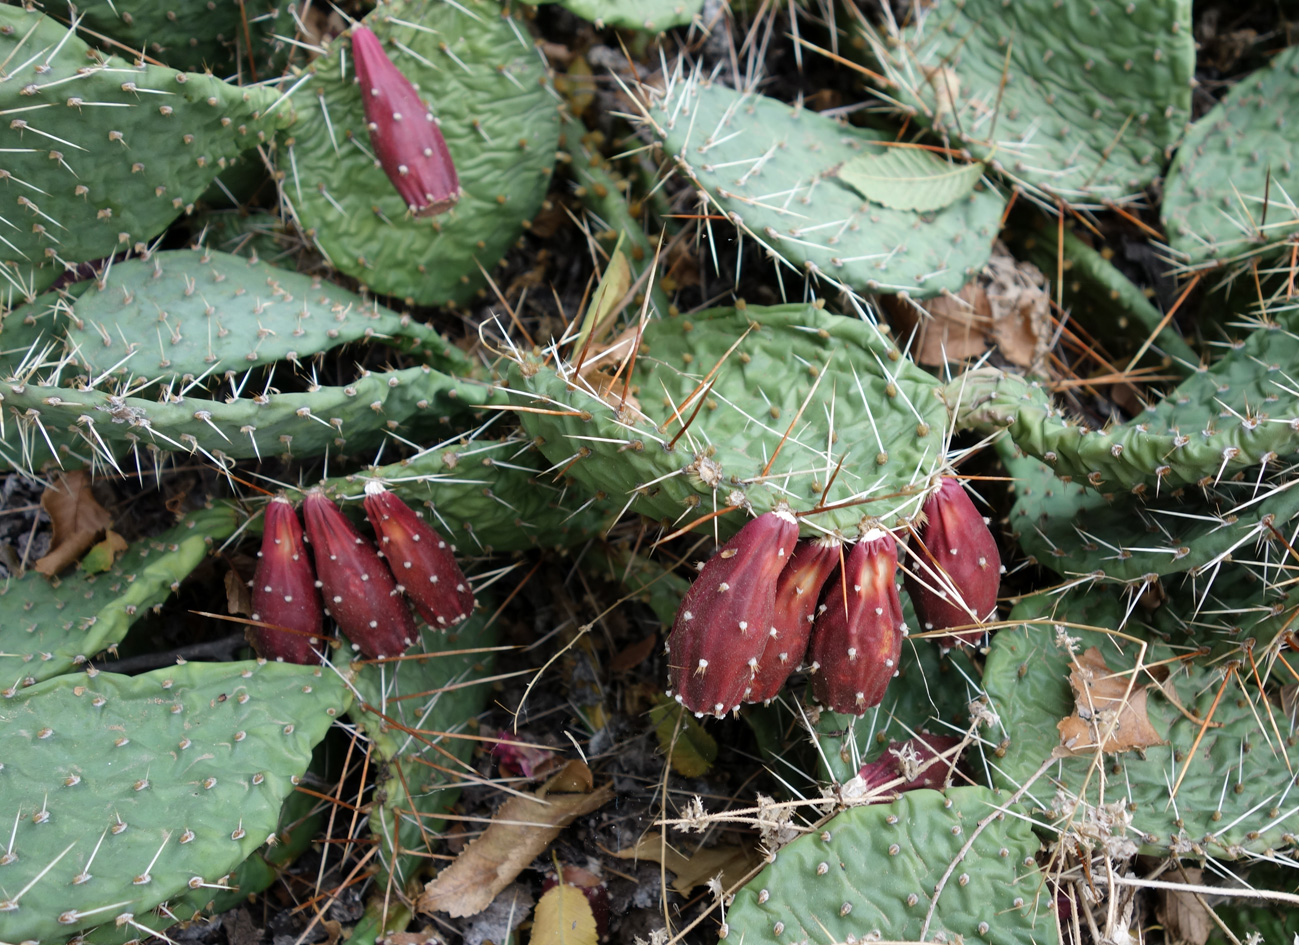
{"x": 724, "y": 622}
{"x": 854, "y": 649}
{"x": 905, "y": 759}
{"x": 404, "y": 133}
{"x": 358, "y": 589}
{"x": 798, "y": 590}
{"x": 284, "y": 591}
{"x": 955, "y": 573}
{"x": 422, "y": 563}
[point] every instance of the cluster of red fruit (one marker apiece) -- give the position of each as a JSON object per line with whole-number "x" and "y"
{"x": 365, "y": 588}
{"x": 766, "y": 604}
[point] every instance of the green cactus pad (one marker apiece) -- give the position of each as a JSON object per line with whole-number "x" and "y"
{"x": 652, "y": 16}
{"x": 770, "y": 168}
{"x": 127, "y": 791}
{"x": 875, "y": 411}
{"x": 196, "y": 37}
{"x": 413, "y": 710}
{"x": 487, "y": 496}
{"x": 109, "y": 153}
{"x": 871, "y": 873}
{"x": 481, "y": 76}
{"x": 1195, "y": 436}
{"x": 205, "y": 313}
{"x": 1232, "y": 800}
{"x": 104, "y": 426}
{"x": 1232, "y": 188}
{"x": 1079, "y": 100}
{"x": 49, "y": 626}
{"x": 1074, "y": 530}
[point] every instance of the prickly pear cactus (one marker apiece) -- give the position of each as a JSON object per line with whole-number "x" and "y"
{"x": 191, "y": 36}
{"x": 125, "y": 792}
{"x": 653, "y": 16}
{"x": 99, "y": 426}
{"x": 487, "y": 496}
{"x": 49, "y": 626}
{"x": 924, "y": 868}
{"x": 104, "y": 154}
{"x": 1230, "y": 191}
{"x": 770, "y": 168}
{"x": 1074, "y": 530}
{"x": 1089, "y": 118}
{"x": 414, "y": 711}
{"x": 480, "y": 75}
{"x": 1214, "y": 745}
{"x": 694, "y": 441}
{"x": 217, "y": 315}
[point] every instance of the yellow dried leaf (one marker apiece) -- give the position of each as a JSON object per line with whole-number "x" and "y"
{"x": 1105, "y": 709}
{"x": 101, "y": 556}
{"x": 563, "y": 917}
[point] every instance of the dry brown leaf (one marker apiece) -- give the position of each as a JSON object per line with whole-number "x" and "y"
{"x": 1185, "y": 919}
{"x": 521, "y": 830}
{"x": 732, "y": 862}
{"x": 1105, "y": 708}
{"x": 563, "y": 917}
{"x": 956, "y": 327}
{"x": 239, "y": 596}
{"x": 1020, "y": 303}
{"x": 78, "y": 521}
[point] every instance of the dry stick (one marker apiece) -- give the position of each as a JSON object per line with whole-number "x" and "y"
{"x": 1204, "y": 904}
{"x": 1267, "y": 895}
{"x": 1231, "y": 671}
{"x": 974, "y": 835}
{"x": 1163, "y": 322}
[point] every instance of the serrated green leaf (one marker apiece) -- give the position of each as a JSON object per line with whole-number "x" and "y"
{"x": 910, "y": 179}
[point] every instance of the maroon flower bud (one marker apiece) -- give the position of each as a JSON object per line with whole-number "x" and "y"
{"x": 404, "y": 133}
{"x": 798, "y": 590}
{"x": 359, "y": 591}
{"x": 857, "y": 636}
{"x": 422, "y": 563}
{"x": 284, "y": 591}
{"x": 724, "y": 622}
{"x": 955, "y": 572}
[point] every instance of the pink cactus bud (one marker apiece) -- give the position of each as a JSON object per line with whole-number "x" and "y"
{"x": 404, "y": 133}
{"x": 284, "y": 591}
{"x": 857, "y": 636}
{"x": 905, "y": 759}
{"x": 956, "y": 570}
{"x": 724, "y": 622}
{"x": 359, "y": 591}
{"x": 798, "y": 590}
{"x": 422, "y": 563}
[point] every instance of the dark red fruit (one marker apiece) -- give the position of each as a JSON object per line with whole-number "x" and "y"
{"x": 798, "y": 591}
{"x": 905, "y": 759}
{"x": 724, "y": 622}
{"x": 955, "y": 573}
{"x": 284, "y": 591}
{"x": 359, "y": 590}
{"x": 854, "y": 649}
{"x": 422, "y": 563}
{"x": 405, "y": 135}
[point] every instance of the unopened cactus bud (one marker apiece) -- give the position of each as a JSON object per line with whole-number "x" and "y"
{"x": 798, "y": 591}
{"x": 422, "y": 562}
{"x": 358, "y": 589}
{"x": 955, "y": 574}
{"x": 906, "y": 760}
{"x": 284, "y": 591}
{"x": 723, "y": 625}
{"x": 857, "y": 635}
{"x": 405, "y": 135}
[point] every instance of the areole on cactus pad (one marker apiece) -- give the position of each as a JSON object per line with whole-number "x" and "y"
{"x": 721, "y": 630}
